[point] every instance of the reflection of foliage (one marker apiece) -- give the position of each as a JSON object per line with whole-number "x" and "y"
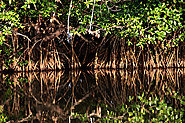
{"x": 153, "y": 109}
{"x": 150, "y": 109}
{"x": 3, "y": 118}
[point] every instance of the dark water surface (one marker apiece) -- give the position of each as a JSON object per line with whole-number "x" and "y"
{"x": 58, "y": 96}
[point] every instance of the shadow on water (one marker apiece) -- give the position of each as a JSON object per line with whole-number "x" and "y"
{"x": 58, "y": 96}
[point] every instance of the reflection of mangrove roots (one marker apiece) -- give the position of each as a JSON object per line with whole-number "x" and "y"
{"x": 60, "y": 94}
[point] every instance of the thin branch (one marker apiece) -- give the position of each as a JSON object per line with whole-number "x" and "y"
{"x": 6, "y": 44}
{"x": 69, "y": 38}
{"x": 83, "y": 37}
{"x": 22, "y": 35}
{"x": 92, "y": 16}
{"x": 79, "y": 101}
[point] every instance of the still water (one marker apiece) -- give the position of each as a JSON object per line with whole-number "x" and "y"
{"x": 69, "y": 96}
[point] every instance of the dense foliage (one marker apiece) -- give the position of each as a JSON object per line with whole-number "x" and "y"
{"x": 156, "y": 23}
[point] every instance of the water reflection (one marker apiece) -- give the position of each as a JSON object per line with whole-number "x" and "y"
{"x": 56, "y": 96}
